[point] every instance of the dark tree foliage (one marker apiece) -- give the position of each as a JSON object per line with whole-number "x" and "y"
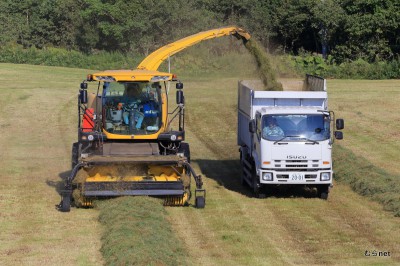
{"x": 347, "y": 29}
{"x": 370, "y": 30}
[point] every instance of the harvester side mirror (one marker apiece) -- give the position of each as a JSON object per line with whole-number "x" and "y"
{"x": 179, "y": 97}
{"x": 339, "y": 124}
{"x": 83, "y": 96}
{"x": 338, "y": 135}
{"x": 83, "y": 85}
{"x": 179, "y": 85}
{"x": 252, "y": 126}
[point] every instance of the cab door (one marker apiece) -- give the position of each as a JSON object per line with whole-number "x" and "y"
{"x": 257, "y": 141}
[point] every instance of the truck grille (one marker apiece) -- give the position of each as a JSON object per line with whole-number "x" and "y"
{"x": 296, "y": 164}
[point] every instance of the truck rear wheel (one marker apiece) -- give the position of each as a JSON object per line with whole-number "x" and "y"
{"x": 242, "y": 175}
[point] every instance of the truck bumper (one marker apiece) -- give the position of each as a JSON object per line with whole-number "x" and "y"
{"x": 296, "y": 177}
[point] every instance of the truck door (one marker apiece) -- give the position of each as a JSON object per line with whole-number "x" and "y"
{"x": 257, "y": 140}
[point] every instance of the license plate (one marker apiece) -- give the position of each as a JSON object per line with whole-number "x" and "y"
{"x": 297, "y": 177}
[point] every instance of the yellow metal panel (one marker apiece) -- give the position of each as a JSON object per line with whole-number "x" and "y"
{"x": 130, "y": 75}
{"x": 120, "y": 136}
{"x": 155, "y": 173}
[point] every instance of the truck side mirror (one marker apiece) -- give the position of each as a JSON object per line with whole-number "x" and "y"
{"x": 339, "y": 124}
{"x": 252, "y": 126}
{"x": 338, "y": 135}
{"x": 179, "y": 97}
{"x": 83, "y": 96}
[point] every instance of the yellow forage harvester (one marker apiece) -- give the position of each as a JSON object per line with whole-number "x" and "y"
{"x": 126, "y": 144}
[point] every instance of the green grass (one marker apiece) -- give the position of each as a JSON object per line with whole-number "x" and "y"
{"x": 137, "y": 232}
{"x": 38, "y": 106}
{"x": 370, "y": 109}
{"x": 38, "y": 125}
{"x": 367, "y": 179}
{"x": 236, "y": 228}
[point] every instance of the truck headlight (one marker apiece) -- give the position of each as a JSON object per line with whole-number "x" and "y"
{"x": 325, "y": 176}
{"x": 267, "y": 176}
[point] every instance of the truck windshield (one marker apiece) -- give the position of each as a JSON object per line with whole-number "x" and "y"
{"x": 132, "y": 107}
{"x": 296, "y": 127}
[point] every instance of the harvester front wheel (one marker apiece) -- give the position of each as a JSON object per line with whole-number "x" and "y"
{"x": 185, "y": 149}
{"x": 66, "y": 203}
{"x": 200, "y": 202}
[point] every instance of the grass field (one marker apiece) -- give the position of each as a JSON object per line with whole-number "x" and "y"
{"x": 36, "y": 104}
{"x": 371, "y": 110}
{"x": 38, "y": 107}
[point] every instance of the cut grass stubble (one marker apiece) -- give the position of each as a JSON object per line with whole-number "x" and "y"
{"x": 367, "y": 179}
{"x": 137, "y": 233}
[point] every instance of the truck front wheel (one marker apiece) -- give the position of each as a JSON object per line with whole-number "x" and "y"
{"x": 323, "y": 192}
{"x": 257, "y": 187}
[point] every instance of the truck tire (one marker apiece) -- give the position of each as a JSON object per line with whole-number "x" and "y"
{"x": 242, "y": 175}
{"x": 323, "y": 192}
{"x": 242, "y": 179}
{"x": 257, "y": 187}
{"x": 324, "y": 195}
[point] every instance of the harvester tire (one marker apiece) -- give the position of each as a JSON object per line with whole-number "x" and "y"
{"x": 186, "y": 150}
{"x": 200, "y": 202}
{"x": 65, "y": 203}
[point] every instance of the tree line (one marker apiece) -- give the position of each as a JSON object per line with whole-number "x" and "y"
{"x": 344, "y": 29}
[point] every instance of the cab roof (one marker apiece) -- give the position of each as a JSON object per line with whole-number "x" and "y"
{"x": 131, "y": 75}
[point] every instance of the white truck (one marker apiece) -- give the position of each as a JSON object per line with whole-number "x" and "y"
{"x": 286, "y": 137}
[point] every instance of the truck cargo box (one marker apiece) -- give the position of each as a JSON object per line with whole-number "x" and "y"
{"x": 250, "y": 100}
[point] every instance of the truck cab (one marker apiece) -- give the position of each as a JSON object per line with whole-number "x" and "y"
{"x": 286, "y": 139}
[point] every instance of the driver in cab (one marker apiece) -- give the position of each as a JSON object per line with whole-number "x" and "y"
{"x": 133, "y": 98}
{"x": 272, "y": 129}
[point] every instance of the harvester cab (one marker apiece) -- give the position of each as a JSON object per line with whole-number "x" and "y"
{"x": 126, "y": 141}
